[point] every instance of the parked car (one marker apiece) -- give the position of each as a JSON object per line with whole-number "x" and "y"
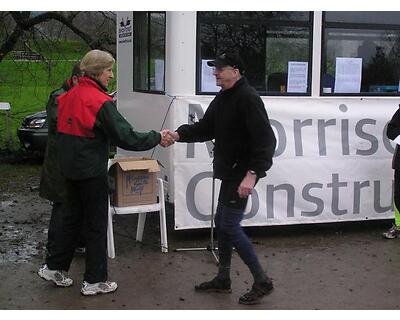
{"x": 33, "y": 132}
{"x": 34, "y": 129}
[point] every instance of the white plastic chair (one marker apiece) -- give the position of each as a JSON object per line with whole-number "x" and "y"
{"x": 142, "y": 210}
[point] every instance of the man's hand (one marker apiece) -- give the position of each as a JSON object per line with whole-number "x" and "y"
{"x": 166, "y": 138}
{"x": 174, "y": 135}
{"x": 247, "y": 185}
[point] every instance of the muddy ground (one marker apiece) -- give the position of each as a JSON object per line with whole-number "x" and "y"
{"x": 331, "y": 266}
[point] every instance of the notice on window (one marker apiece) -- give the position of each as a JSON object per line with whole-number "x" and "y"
{"x": 207, "y": 78}
{"x": 297, "y": 76}
{"x": 159, "y": 74}
{"x": 348, "y": 75}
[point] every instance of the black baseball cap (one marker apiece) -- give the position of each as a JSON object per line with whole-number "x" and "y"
{"x": 228, "y": 59}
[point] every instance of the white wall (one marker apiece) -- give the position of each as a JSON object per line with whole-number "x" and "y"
{"x": 180, "y": 53}
{"x": 144, "y": 111}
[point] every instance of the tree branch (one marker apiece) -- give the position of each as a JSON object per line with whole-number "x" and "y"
{"x": 10, "y": 42}
{"x": 24, "y": 22}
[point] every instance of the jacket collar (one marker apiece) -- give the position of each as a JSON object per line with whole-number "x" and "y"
{"x": 241, "y": 82}
{"x": 67, "y": 85}
{"x": 89, "y": 81}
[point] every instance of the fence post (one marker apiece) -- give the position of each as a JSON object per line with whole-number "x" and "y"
{"x": 5, "y": 106}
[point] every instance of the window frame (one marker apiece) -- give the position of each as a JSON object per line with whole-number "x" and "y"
{"x": 348, "y": 25}
{"x": 148, "y": 47}
{"x": 266, "y": 23}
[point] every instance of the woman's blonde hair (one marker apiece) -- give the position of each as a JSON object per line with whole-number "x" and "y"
{"x": 95, "y": 62}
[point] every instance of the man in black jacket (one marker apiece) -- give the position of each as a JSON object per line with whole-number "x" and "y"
{"x": 244, "y": 146}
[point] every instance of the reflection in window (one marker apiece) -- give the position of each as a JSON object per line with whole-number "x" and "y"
{"x": 377, "y": 46}
{"x": 257, "y": 15}
{"x": 140, "y": 56}
{"x": 149, "y": 51}
{"x": 267, "y": 42}
{"x": 365, "y": 17}
{"x": 157, "y": 51}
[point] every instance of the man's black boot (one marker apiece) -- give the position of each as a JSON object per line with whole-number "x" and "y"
{"x": 258, "y": 290}
{"x": 215, "y": 285}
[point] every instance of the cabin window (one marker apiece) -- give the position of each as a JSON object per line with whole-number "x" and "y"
{"x": 149, "y": 51}
{"x": 275, "y": 47}
{"x": 360, "y": 57}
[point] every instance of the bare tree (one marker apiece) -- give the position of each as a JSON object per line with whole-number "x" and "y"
{"x": 96, "y": 29}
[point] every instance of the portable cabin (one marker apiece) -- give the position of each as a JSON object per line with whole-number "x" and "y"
{"x": 329, "y": 82}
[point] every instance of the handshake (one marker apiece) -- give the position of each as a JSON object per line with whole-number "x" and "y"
{"x": 168, "y": 137}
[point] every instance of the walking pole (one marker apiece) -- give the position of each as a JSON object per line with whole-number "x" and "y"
{"x": 211, "y": 246}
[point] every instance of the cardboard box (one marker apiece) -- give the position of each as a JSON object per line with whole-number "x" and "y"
{"x": 134, "y": 180}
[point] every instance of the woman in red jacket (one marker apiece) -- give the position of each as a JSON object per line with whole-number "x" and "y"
{"x": 88, "y": 122}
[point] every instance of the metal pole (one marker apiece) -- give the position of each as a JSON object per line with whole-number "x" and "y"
{"x": 210, "y": 247}
{"x": 212, "y": 214}
{"x": 212, "y": 221}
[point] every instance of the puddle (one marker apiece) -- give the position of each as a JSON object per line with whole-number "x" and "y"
{"x": 21, "y": 254}
{"x": 5, "y": 204}
{"x": 19, "y": 249}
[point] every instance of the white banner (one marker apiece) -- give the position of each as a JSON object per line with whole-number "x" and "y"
{"x": 332, "y": 163}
